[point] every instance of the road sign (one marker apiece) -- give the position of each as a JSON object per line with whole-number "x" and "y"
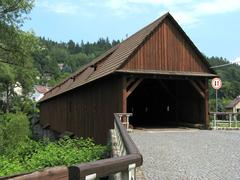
{"x": 216, "y": 83}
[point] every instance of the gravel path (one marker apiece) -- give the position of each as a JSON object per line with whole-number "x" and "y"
{"x": 189, "y": 154}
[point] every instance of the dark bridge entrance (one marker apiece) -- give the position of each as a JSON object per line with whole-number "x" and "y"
{"x": 166, "y": 103}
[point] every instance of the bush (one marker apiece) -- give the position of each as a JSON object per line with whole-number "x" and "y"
{"x": 20, "y": 154}
{"x": 32, "y": 155}
{"x": 14, "y": 130}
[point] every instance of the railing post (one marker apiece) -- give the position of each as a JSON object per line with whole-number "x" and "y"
{"x": 127, "y": 121}
{"x": 91, "y": 177}
{"x": 130, "y": 174}
{"x": 235, "y": 119}
{"x": 132, "y": 171}
{"x": 215, "y": 120}
{"x": 230, "y": 120}
{"x": 120, "y": 117}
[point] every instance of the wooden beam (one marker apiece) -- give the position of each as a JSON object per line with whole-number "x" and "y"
{"x": 134, "y": 86}
{"x": 201, "y": 84}
{"x": 194, "y": 84}
{"x": 129, "y": 82}
{"x": 124, "y": 94}
{"x": 166, "y": 88}
{"x": 207, "y": 122}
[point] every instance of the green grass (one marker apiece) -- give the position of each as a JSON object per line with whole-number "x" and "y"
{"x": 227, "y": 124}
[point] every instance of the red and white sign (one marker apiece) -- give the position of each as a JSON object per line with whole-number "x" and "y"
{"x": 216, "y": 83}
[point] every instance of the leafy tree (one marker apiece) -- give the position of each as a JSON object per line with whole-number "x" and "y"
{"x": 16, "y": 48}
{"x": 15, "y": 45}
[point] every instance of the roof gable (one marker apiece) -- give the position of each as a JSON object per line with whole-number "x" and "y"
{"x": 168, "y": 49}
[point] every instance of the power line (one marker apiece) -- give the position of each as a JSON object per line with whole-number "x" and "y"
{"x": 223, "y": 65}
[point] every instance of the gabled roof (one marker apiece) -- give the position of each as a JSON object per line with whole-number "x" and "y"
{"x": 233, "y": 103}
{"x": 113, "y": 59}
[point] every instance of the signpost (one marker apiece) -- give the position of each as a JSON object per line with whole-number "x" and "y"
{"x": 216, "y": 84}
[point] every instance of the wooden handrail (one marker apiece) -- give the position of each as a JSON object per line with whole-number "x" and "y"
{"x": 110, "y": 166}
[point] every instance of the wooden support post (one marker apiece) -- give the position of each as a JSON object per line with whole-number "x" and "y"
{"x": 207, "y": 122}
{"x": 124, "y": 95}
{"x": 134, "y": 86}
{"x": 194, "y": 84}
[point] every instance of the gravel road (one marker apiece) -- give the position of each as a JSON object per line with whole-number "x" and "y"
{"x": 189, "y": 154}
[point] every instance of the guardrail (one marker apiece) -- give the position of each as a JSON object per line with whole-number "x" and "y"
{"x": 127, "y": 163}
{"x": 225, "y": 120}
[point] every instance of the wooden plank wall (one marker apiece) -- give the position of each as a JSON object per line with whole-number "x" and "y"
{"x": 167, "y": 50}
{"x": 86, "y": 111}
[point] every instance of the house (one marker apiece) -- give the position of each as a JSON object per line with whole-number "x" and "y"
{"x": 158, "y": 74}
{"x": 234, "y": 106}
{"x": 39, "y": 92}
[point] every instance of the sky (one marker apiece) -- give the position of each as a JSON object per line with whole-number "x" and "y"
{"x": 213, "y": 26}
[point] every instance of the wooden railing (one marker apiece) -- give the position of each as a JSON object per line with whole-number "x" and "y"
{"x": 225, "y": 119}
{"x": 127, "y": 163}
{"x": 124, "y": 118}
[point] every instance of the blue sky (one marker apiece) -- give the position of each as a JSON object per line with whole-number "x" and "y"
{"x": 214, "y": 26}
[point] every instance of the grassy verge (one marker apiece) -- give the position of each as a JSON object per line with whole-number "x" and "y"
{"x": 227, "y": 124}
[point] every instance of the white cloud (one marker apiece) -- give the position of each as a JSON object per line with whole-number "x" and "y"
{"x": 237, "y": 61}
{"x": 185, "y": 18}
{"x": 124, "y": 7}
{"x": 60, "y": 7}
{"x": 217, "y": 7}
{"x": 161, "y": 2}
{"x": 196, "y": 10}
{"x": 187, "y": 12}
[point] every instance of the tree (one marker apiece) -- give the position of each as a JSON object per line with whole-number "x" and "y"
{"x": 15, "y": 45}
{"x": 12, "y": 79}
{"x": 16, "y": 48}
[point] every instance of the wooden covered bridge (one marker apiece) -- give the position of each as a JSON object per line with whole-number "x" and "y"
{"x": 157, "y": 74}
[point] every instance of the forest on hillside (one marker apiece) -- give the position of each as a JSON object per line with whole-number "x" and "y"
{"x": 56, "y": 60}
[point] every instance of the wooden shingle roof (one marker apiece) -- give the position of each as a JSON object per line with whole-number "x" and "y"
{"x": 111, "y": 61}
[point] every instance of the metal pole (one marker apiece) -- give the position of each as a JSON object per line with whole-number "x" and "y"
{"x": 216, "y": 100}
{"x": 215, "y": 120}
